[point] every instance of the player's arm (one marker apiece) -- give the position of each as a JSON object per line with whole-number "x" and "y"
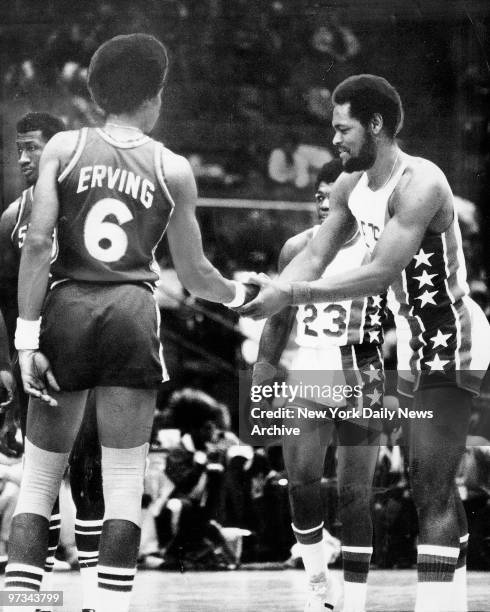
{"x": 34, "y": 268}
{"x": 8, "y": 256}
{"x": 277, "y": 328}
{"x": 415, "y": 207}
{"x": 194, "y": 270}
{"x": 6, "y": 379}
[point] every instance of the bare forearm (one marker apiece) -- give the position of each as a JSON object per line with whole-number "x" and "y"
{"x": 275, "y": 336}
{"x": 369, "y": 279}
{"x": 33, "y": 278}
{"x": 204, "y": 281}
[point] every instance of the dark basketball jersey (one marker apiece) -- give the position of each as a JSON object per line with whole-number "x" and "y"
{"x": 114, "y": 210}
{"x": 19, "y": 233}
{"x": 24, "y": 208}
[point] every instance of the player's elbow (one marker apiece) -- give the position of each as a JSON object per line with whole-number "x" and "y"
{"x": 37, "y": 244}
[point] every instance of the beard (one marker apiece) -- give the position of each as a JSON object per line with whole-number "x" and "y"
{"x": 366, "y": 157}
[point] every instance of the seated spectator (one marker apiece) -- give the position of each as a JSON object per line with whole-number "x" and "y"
{"x": 187, "y": 500}
{"x": 296, "y": 164}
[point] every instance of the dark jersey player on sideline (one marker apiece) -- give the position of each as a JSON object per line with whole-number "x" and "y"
{"x": 34, "y": 130}
{"x": 112, "y": 193}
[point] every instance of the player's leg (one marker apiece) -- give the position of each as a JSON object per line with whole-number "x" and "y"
{"x": 51, "y": 432}
{"x": 304, "y": 457}
{"x": 124, "y": 419}
{"x": 86, "y": 489}
{"x": 436, "y": 448}
{"x": 355, "y": 469}
{"x": 460, "y": 596}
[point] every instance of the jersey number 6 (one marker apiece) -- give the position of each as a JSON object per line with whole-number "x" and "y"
{"x": 106, "y": 240}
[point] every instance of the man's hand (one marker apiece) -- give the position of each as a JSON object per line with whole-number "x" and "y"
{"x": 37, "y": 376}
{"x": 7, "y": 382}
{"x": 273, "y": 297}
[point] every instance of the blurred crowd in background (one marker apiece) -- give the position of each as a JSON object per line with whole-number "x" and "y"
{"x": 247, "y": 101}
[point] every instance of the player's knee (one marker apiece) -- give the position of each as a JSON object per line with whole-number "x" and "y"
{"x": 41, "y": 479}
{"x": 123, "y": 472}
{"x": 354, "y": 500}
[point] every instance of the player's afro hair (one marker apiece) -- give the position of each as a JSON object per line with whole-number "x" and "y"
{"x": 329, "y": 172}
{"x": 369, "y": 94}
{"x": 47, "y": 124}
{"x": 125, "y": 71}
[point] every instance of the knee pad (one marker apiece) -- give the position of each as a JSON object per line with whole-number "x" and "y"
{"x": 41, "y": 479}
{"x": 123, "y": 471}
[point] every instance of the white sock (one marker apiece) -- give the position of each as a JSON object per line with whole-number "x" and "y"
{"x": 313, "y": 554}
{"x": 87, "y": 538}
{"x": 460, "y": 595}
{"x": 435, "y": 576}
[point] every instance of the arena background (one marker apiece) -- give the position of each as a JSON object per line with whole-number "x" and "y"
{"x": 243, "y": 74}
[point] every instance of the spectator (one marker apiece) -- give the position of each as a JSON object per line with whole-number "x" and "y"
{"x": 296, "y": 164}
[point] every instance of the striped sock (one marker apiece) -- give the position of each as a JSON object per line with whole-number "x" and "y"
{"x": 435, "y": 569}
{"x": 115, "y": 586}
{"x": 53, "y": 541}
{"x": 87, "y": 537}
{"x": 460, "y": 589}
{"x": 355, "y": 561}
{"x": 22, "y": 577}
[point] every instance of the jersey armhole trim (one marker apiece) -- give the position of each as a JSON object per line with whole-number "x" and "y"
{"x": 20, "y": 212}
{"x": 159, "y": 149}
{"x": 82, "y": 139}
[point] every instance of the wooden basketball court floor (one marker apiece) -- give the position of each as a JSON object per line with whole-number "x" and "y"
{"x": 259, "y": 590}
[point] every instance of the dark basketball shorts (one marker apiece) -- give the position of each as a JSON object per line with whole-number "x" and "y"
{"x": 102, "y": 335}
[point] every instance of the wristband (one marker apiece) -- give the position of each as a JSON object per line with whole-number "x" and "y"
{"x": 300, "y": 293}
{"x": 263, "y": 371}
{"x": 27, "y": 334}
{"x": 240, "y": 295}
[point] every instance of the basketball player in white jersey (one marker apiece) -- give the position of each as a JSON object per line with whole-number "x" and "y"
{"x": 338, "y": 344}
{"x": 404, "y": 208}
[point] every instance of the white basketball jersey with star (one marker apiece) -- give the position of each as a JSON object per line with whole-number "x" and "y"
{"x": 431, "y": 293}
{"x": 343, "y": 323}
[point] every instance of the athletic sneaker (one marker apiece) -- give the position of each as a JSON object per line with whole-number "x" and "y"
{"x": 324, "y": 595}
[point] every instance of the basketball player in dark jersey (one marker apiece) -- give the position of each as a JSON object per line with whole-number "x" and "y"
{"x": 404, "y": 208}
{"x": 112, "y": 193}
{"x": 34, "y": 130}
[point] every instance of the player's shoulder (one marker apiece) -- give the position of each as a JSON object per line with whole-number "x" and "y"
{"x": 421, "y": 175}
{"x": 176, "y": 167}
{"x": 343, "y": 187}
{"x": 293, "y": 246}
{"x": 62, "y": 144}
{"x": 9, "y": 215}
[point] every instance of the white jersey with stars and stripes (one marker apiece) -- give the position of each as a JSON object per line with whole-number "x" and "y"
{"x": 431, "y": 294}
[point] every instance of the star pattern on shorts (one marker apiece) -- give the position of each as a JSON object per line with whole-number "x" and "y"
{"x": 375, "y": 397}
{"x": 375, "y": 319}
{"x": 422, "y": 258}
{"x": 437, "y": 364}
{"x": 425, "y": 279}
{"x": 372, "y": 373}
{"x": 440, "y": 339}
{"x": 374, "y": 336}
{"x": 426, "y": 298}
{"x": 377, "y": 301}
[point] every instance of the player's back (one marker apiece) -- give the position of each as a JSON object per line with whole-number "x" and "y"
{"x": 114, "y": 209}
